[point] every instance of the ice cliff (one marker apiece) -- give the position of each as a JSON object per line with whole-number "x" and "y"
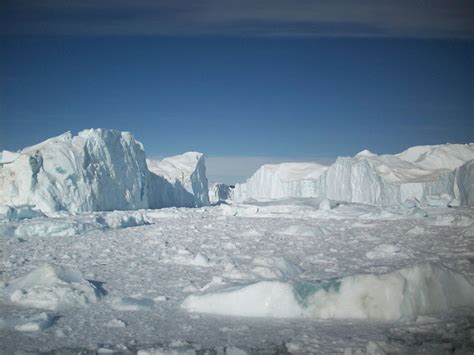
{"x": 432, "y": 174}
{"x": 178, "y": 181}
{"x": 219, "y": 192}
{"x": 99, "y": 170}
{"x": 96, "y": 170}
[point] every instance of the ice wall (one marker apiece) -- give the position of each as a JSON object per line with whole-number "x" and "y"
{"x": 219, "y": 192}
{"x": 178, "y": 181}
{"x": 281, "y": 180}
{"x": 97, "y": 170}
{"x": 419, "y": 172}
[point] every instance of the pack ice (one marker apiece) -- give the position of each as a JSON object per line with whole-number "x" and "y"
{"x": 405, "y": 294}
{"x": 99, "y": 170}
{"x": 436, "y": 175}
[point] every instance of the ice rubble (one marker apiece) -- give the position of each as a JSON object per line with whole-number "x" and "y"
{"x": 51, "y": 287}
{"x": 423, "y": 289}
{"x": 435, "y": 175}
{"x": 178, "y": 181}
{"x": 99, "y": 170}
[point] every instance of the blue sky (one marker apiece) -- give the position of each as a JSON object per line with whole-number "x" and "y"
{"x": 244, "y": 95}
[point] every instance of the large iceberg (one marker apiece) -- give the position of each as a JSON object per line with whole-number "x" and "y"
{"x": 178, "y": 181}
{"x": 417, "y": 173}
{"x": 99, "y": 170}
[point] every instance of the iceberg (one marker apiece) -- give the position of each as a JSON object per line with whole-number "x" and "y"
{"x": 437, "y": 175}
{"x": 178, "y": 181}
{"x": 97, "y": 170}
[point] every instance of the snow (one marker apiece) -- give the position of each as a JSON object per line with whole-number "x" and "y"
{"x": 51, "y": 287}
{"x": 440, "y": 174}
{"x": 424, "y": 289}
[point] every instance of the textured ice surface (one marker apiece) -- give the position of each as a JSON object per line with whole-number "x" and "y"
{"x": 424, "y": 289}
{"x": 96, "y": 170}
{"x": 99, "y": 170}
{"x": 438, "y": 175}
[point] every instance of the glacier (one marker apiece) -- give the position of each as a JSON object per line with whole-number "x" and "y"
{"x": 99, "y": 170}
{"x": 438, "y": 174}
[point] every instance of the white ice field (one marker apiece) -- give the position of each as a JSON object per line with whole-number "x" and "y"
{"x": 289, "y": 275}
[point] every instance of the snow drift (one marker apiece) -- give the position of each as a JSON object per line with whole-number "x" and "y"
{"x": 178, "y": 181}
{"x": 51, "y": 287}
{"x": 96, "y": 170}
{"x": 423, "y": 173}
{"x": 99, "y": 170}
{"x": 423, "y": 289}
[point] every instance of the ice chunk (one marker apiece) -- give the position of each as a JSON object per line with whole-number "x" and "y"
{"x": 302, "y": 230}
{"x": 219, "y": 193}
{"x": 132, "y": 304}
{"x": 51, "y": 287}
{"x": 405, "y": 294}
{"x": 262, "y": 299}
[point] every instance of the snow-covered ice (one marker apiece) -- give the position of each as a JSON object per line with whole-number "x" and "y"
{"x": 326, "y": 275}
{"x": 371, "y": 254}
{"x": 425, "y": 289}
{"x": 436, "y": 175}
{"x": 51, "y": 287}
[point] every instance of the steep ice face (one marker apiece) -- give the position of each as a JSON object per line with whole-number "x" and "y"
{"x": 219, "y": 192}
{"x": 464, "y": 186}
{"x": 281, "y": 180}
{"x": 178, "y": 181}
{"x": 96, "y": 170}
{"x": 416, "y": 173}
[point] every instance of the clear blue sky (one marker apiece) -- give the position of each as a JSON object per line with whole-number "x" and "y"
{"x": 238, "y": 94}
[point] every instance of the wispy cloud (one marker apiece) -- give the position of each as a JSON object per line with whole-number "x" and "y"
{"x": 232, "y": 169}
{"x": 261, "y": 18}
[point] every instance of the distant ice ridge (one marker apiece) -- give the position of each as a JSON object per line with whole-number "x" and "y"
{"x": 405, "y": 294}
{"x": 99, "y": 170}
{"x": 438, "y": 174}
{"x": 178, "y": 181}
